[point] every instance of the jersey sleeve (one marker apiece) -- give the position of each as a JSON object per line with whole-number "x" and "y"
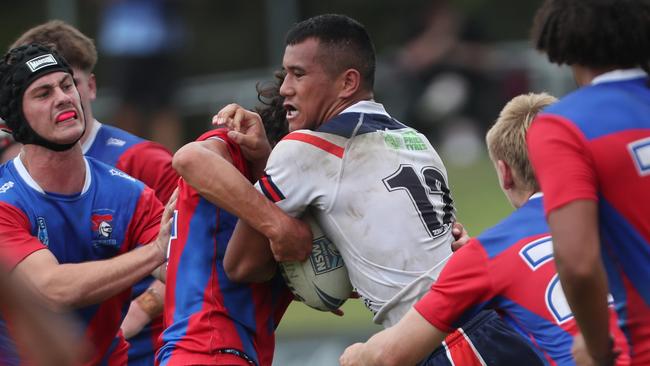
{"x": 145, "y": 223}
{"x": 298, "y": 172}
{"x": 17, "y": 242}
{"x": 152, "y": 164}
{"x": 561, "y": 161}
{"x": 233, "y": 149}
{"x": 463, "y": 287}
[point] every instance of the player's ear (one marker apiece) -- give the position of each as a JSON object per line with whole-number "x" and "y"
{"x": 350, "y": 81}
{"x": 505, "y": 175}
{"x": 92, "y": 86}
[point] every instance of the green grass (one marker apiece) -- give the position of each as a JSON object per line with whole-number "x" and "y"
{"x": 479, "y": 203}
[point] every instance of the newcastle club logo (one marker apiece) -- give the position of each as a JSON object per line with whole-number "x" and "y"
{"x": 102, "y": 227}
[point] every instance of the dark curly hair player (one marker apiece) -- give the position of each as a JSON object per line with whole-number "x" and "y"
{"x": 591, "y": 155}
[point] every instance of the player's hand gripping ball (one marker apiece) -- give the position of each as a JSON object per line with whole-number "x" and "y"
{"x": 321, "y": 281}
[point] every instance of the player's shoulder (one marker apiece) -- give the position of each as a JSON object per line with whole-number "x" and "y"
{"x": 139, "y": 147}
{"x": 114, "y": 137}
{"x": 578, "y": 102}
{"x": 307, "y": 144}
{"x": 306, "y": 136}
{"x": 219, "y": 133}
{"x": 108, "y": 174}
{"x": 602, "y": 108}
{"x": 359, "y": 119}
{"x": 525, "y": 222}
{"x": 9, "y": 181}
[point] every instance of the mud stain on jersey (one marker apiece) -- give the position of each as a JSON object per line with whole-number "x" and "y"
{"x": 353, "y": 212}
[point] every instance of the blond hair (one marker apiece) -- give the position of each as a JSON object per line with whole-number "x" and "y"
{"x": 78, "y": 49}
{"x": 506, "y": 139}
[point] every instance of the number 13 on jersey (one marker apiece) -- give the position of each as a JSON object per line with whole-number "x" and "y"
{"x": 437, "y": 215}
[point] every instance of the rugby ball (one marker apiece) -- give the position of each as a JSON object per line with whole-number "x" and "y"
{"x": 321, "y": 281}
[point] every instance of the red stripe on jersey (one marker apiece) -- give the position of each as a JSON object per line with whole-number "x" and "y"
{"x": 461, "y": 351}
{"x": 187, "y": 202}
{"x": 103, "y": 328}
{"x": 120, "y": 355}
{"x": 562, "y": 164}
{"x": 145, "y": 223}
{"x": 616, "y": 169}
{"x": 318, "y": 142}
{"x": 268, "y": 187}
{"x": 17, "y": 243}
{"x": 151, "y": 163}
{"x": 637, "y": 328}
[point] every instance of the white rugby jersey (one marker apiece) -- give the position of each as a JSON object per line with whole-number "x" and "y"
{"x": 380, "y": 192}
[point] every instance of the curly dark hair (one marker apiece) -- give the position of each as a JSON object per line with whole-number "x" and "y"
{"x": 594, "y": 33}
{"x": 273, "y": 114}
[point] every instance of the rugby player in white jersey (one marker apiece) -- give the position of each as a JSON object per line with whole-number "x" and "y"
{"x": 378, "y": 188}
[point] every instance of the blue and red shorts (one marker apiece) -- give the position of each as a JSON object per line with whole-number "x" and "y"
{"x": 484, "y": 340}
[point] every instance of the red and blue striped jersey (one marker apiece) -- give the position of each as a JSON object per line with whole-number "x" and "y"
{"x": 113, "y": 214}
{"x": 8, "y": 350}
{"x": 144, "y": 160}
{"x": 594, "y": 144}
{"x": 205, "y": 312}
{"x": 510, "y": 268}
{"x": 151, "y": 163}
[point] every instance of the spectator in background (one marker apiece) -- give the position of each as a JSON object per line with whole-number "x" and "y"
{"x": 147, "y": 161}
{"x": 439, "y": 80}
{"x": 142, "y": 39}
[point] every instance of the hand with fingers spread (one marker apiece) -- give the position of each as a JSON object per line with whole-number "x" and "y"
{"x": 246, "y": 129}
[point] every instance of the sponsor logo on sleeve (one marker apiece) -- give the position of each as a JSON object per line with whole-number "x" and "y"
{"x": 119, "y": 173}
{"x": 7, "y": 186}
{"x": 115, "y": 142}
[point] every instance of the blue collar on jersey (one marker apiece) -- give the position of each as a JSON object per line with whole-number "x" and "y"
{"x": 371, "y": 115}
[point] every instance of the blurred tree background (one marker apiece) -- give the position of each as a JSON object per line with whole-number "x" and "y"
{"x": 229, "y": 45}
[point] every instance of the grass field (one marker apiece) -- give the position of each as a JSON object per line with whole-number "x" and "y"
{"x": 479, "y": 203}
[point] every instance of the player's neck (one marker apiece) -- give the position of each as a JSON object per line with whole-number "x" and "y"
{"x": 519, "y": 197}
{"x": 342, "y": 104}
{"x": 90, "y": 126}
{"x": 61, "y": 172}
{"x": 583, "y": 75}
